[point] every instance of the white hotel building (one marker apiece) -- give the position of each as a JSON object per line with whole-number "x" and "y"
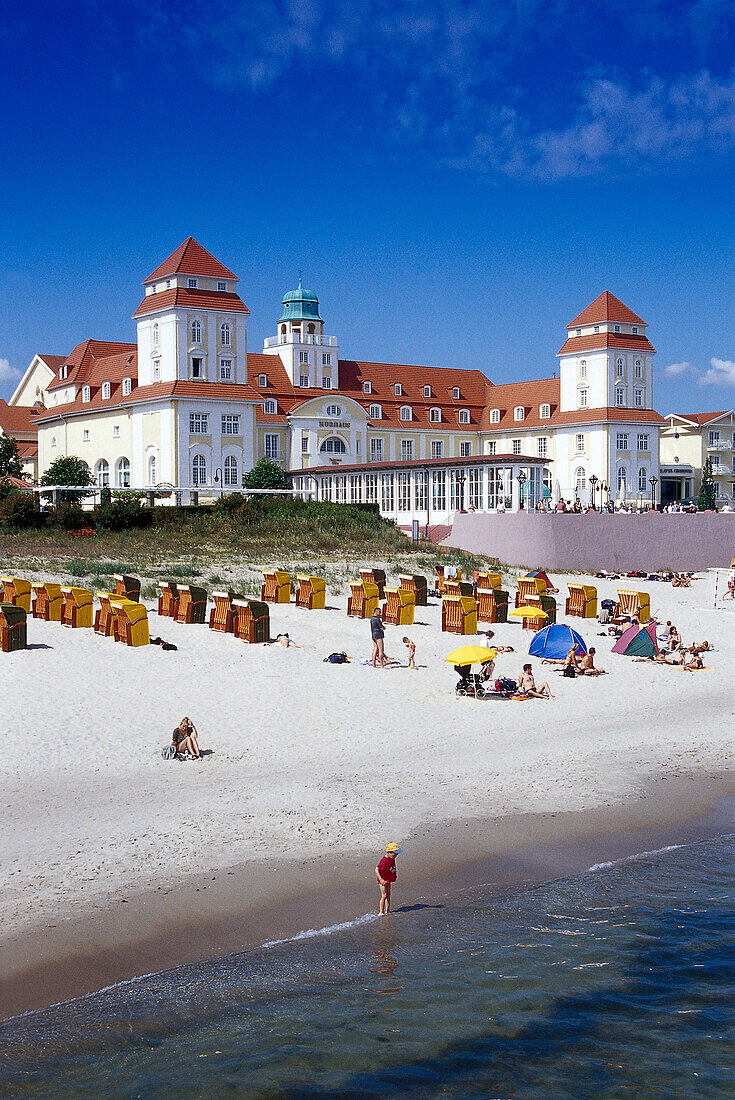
{"x": 188, "y": 407}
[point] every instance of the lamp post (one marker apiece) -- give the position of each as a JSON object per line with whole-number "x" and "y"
{"x": 604, "y": 488}
{"x": 653, "y": 482}
{"x": 218, "y": 478}
{"x": 521, "y": 479}
{"x": 594, "y": 480}
{"x": 460, "y": 483}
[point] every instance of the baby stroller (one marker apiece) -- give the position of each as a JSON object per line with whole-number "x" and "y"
{"x": 469, "y": 683}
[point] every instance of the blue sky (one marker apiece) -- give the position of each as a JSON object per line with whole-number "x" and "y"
{"x": 456, "y": 179}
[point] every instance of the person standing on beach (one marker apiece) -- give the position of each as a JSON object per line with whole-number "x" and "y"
{"x": 386, "y": 875}
{"x": 377, "y": 631}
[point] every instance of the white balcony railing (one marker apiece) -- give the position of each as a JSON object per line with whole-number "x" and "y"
{"x": 719, "y": 470}
{"x": 720, "y": 445}
{"x": 307, "y": 338}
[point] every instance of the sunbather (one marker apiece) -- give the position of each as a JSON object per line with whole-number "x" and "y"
{"x": 185, "y": 739}
{"x": 698, "y": 647}
{"x": 694, "y": 664}
{"x": 285, "y": 641}
{"x": 586, "y": 666}
{"x": 527, "y": 685}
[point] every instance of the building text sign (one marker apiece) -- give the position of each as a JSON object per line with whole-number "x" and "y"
{"x": 334, "y": 423}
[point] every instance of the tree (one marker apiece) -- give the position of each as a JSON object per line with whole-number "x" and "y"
{"x": 68, "y": 470}
{"x": 267, "y": 474}
{"x": 707, "y": 492}
{"x": 10, "y": 464}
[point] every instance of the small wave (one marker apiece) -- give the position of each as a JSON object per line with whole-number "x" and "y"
{"x": 310, "y": 933}
{"x": 630, "y": 859}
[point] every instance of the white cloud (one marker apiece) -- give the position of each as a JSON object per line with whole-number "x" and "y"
{"x": 676, "y": 370}
{"x": 721, "y": 372}
{"x": 8, "y": 373}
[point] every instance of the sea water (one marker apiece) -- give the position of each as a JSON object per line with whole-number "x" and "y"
{"x": 619, "y": 982}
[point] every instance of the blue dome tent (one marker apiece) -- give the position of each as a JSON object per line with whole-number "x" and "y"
{"x": 555, "y": 641}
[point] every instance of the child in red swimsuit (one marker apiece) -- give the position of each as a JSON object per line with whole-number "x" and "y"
{"x": 386, "y": 875}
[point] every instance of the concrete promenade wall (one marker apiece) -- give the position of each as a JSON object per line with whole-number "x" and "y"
{"x": 589, "y": 543}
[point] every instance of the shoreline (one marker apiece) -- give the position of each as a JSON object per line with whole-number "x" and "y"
{"x": 239, "y": 908}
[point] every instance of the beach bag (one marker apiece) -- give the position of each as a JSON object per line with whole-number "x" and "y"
{"x": 168, "y": 752}
{"x": 569, "y": 672}
{"x": 506, "y": 684}
{"x": 336, "y": 659}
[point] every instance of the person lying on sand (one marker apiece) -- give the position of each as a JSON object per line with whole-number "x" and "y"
{"x": 285, "y": 641}
{"x": 664, "y": 658}
{"x": 586, "y": 666}
{"x": 185, "y": 740}
{"x": 527, "y": 685}
{"x": 695, "y": 664}
{"x": 699, "y": 647}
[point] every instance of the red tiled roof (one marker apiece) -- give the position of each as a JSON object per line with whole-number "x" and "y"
{"x": 531, "y": 395}
{"x": 190, "y": 258}
{"x": 598, "y": 340}
{"x": 191, "y": 299}
{"x": 17, "y": 418}
{"x": 209, "y": 391}
{"x": 81, "y": 358}
{"x": 611, "y": 412}
{"x": 606, "y": 308}
{"x": 702, "y": 418}
{"x": 28, "y": 449}
{"x": 52, "y": 361}
{"x": 473, "y": 386}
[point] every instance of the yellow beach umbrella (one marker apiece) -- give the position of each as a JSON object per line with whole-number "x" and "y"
{"x": 471, "y": 655}
{"x": 527, "y": 612}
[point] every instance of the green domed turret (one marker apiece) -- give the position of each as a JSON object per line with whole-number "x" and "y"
{"x": 300, "y": 305}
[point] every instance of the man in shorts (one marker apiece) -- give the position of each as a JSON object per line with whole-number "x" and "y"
{"x": 377, "y": 631}
{"x": 386, "y": 875}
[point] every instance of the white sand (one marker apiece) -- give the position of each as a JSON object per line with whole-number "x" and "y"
{"x": 308, "y": 755}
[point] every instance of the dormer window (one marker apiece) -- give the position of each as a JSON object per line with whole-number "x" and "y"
{"x": 221, "y": 285}
{"x": 617, "y": 328}
{"x": 519, "y": 412}
{"x": 544, "y": 412}
{"x": 86, "y": 393}
{"x": 427, "y": 391}
{"x": 168, "y": 284}
{"x": 597, "y": 328}
{"x": 262, "y": 380}
{"x": 376, "y": 412}
{"x": 196, "y": 332}
{"x": 105, "y": 391}
{"x": 192, "y": 284}
{"x": 367, "y": 388}
{"x": 398, "y": 389}
{"x": 435, "y": 416}
{"x": 270, "y": 407}
{"x": 455, "y": 393}
{"x": 495, "y": 416}
{"x": 634, "y": 330}
{"x": 464, "y": 416}
{"x": 127, "y": 386}
{"x": 405, "y": 413}
{"x": 579, "y": 332}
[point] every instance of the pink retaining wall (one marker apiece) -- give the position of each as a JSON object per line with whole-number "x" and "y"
{"x": 589, "y": 543}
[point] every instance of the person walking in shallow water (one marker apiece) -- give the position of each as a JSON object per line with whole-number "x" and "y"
{"x": 386, "y": 875}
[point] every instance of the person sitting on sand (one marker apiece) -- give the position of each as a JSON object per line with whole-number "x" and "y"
{"x": 411, "y": 647}
{"x": 527, "y": 685}
{"x": 586, "y": 666}
{"x": 673, "y": 642}
{"x": 695, "y": 664}
{"x": 571, "y": 661}
{"x": 185, "y": 739}
{"x": 285, "y": 641}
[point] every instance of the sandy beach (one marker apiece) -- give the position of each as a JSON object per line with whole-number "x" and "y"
{"x": 118, "y": 862}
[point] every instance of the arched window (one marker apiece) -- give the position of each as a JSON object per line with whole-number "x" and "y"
{"x": 105, "y": 391}
{"x": 230, "y": 471}
{"x": 225, "y": 334}
{"x": 435, "y": 416}
{"x": 199, "y": 470}
{"x": 155, "y": 334}
{"x": 333, "y": 446}
{"x": 102, "y": 473}
{"x": 152, "y": 472}
{"x": 127, "y": 386}
{"x": 622, "y": 481}
{"x": 519, "y": 412}
{"x": 580, "y": 479}
{"x": 376, "y": 413}
{"x": 310, "y": 328}
{"x": 405, "y": 413}
{"x": 642, "y": 479}
{"x": 583, "y": 369}
{"x": 619, "y": 368}
{"x": 334, "y": 410}
{"x": 86, "y": 393}
{"x": 196, "y": 332}
{"x": 122, "y": 473}
{"x": 545, "y": 412}
{"x": 270, "y": 407}
{"x": 464, "y": 416}
{"x": 283, "y": 330}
